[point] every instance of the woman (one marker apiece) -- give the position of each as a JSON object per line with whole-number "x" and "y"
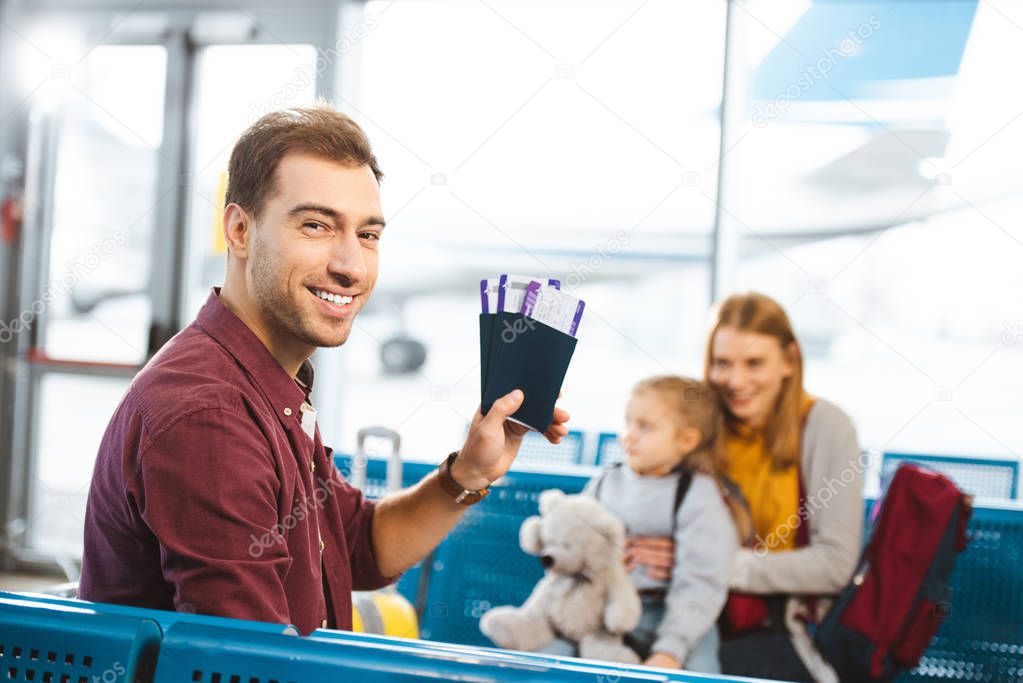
{"x": 796, "y": 460}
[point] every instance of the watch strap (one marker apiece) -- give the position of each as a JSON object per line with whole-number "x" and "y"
{"x": 458, "y": 492}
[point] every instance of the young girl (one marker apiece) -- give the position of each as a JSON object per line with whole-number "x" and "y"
{"x": 673, "y": 426}
{"x": 671, "y": 445}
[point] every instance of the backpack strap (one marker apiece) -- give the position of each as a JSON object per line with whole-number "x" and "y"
{"x": 810, "y": 614}
{"x": 598, "y": 487}
{"x": 803, "y": 530}
{"x": 685, "y": 478}
{"x": 739, "y": 508}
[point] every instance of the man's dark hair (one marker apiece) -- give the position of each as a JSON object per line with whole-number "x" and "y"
{"x": 320, "y": 131}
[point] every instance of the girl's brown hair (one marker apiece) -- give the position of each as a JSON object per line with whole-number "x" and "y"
{"x": 760, "y": 314}
{"x": 693, "y": 404}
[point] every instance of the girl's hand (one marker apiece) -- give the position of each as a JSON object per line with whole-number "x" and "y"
{"x": 655, "y": 553}
{"x": 663, "y": 661}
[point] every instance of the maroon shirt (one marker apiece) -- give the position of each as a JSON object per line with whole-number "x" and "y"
{"x": 208, "y": 496}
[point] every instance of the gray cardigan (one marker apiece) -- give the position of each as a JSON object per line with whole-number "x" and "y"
{"x": 832, "y": 469}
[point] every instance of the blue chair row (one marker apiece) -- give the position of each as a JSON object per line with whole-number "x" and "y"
{"x": 78, "y": 642}
{"x": 984, "y": 477}
{"x": 536, "y": 450}
{"x": 529, "y": 659}
{"x": 191, "y": 652}
{"x": 480, "y": 565}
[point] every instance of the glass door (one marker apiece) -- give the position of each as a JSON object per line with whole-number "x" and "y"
{"x": 98, "y": 182}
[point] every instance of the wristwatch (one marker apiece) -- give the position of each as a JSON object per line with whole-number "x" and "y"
{"x": 461, "y": 494}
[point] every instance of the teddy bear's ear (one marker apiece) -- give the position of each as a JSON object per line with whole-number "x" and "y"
{"x": 529, "y": 536}
{"x": 549, "y": 499}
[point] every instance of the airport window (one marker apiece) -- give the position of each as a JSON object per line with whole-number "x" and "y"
{"x": 576, "y": 139}
{"x": 110, "y": 116}
{"x": 906, "y": 302}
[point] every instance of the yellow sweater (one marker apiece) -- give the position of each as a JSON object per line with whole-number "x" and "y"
{"x": 772, "y": 494}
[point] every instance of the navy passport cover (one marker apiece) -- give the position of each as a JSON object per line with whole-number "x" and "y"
{"x": 517, "y": 352}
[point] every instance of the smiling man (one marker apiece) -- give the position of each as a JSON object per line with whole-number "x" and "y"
{"x": 212, "y": 492}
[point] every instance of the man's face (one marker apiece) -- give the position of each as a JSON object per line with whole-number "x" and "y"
{"x": 313, "y": 255}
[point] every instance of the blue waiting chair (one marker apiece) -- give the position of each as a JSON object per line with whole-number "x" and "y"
{"x": 984, "y": 477}
{"x": 65, "y": 644}
{"x": 202, "y": 654}
{"x": 536, "y": 449}
{"x": 609, "y": 449}
{"x": 982, "y": 638}
{"x": 162, "y": 617}
{"x": 601, "y": 671}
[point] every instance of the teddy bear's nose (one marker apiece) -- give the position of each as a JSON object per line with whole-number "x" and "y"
{"x": 547, "y": 561}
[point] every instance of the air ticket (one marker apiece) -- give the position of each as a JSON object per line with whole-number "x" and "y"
{"x": 552, "y": 307}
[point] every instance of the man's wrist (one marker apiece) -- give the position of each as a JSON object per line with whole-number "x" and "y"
{"x": 467, "y": 478}
{"x": 459, "y": 491}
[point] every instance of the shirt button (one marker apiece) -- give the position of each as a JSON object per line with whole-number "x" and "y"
{"x": 322, "y": 545}
{"x": 287, "y": 411}
{"x": 312, "y": 466}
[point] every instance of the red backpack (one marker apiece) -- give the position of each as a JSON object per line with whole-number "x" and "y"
{"x": 885, "y": 618}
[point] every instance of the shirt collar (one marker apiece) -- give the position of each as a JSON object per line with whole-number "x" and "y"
{"x": 280, "y": 388}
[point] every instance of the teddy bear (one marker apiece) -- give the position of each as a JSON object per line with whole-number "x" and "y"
{"x": 585, "y": 595}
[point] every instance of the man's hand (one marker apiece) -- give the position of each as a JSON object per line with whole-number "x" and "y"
{"x": 493, "y": 442}
{"x": 655, "y": 553}
{"x": 663, "y": 661}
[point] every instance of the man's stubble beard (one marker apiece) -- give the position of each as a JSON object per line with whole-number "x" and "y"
{"x": 281, "y": 313}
